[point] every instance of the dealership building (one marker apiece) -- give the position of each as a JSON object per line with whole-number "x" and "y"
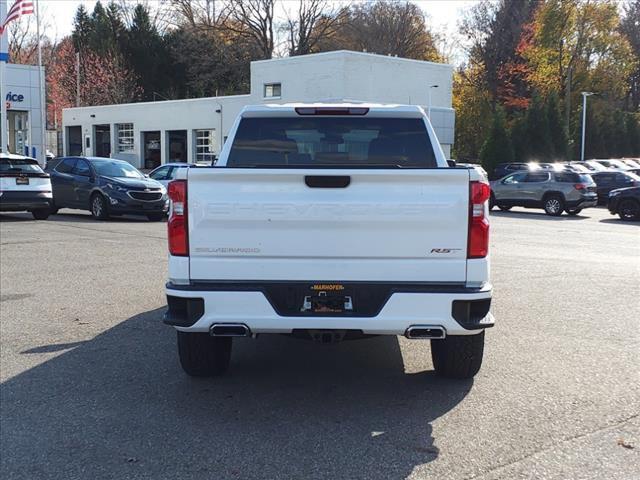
{"x": 23, "y": 125}
{"x": 150, "y": 133}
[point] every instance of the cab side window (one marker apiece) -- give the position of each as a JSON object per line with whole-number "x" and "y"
{"x": 622, "y": 178}
{"x": 163, "y": 173}
{"x": 82, "y": 168}
{"x": 537, "y": 177}
{"x": 604, "y": 178}
{"x": 66, "y": 165}
{"x": 515, "y": 178}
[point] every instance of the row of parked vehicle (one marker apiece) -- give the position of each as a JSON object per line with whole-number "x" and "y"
{"x": 109, "y": 187}
{"x": 104, "y": 186}
{"x": 569, "y": 187}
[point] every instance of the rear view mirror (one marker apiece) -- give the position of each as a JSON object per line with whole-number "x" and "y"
{"x": 452, "y": 163}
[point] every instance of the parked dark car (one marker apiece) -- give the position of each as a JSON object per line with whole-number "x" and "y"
{"x": 634, "y": 163}
{"x": 506, "y": 168}
{"x": 607, "y": 181}
{"x": 625, "y": 202}
{"x": 105, "y": 186}
{"x": 613, "y": 164}
{"x": 576, "y": 168}
{"x": 592, "y": 166}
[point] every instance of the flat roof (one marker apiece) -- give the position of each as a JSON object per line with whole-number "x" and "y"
{"x": 161, "y": 102}
{"x": 342, "y": 53}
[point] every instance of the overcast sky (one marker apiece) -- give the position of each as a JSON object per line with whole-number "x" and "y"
{"x": 442, "y": 15}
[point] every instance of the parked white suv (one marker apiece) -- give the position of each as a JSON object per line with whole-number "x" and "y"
{"x": 330, "y": 222}
{"x": 24, "y": 186}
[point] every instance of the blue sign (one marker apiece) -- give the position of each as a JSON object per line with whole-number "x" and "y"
{"x": 14, "y": 97}
{"x": 4, "y": 57}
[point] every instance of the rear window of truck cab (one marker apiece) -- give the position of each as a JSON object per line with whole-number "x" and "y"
{"x": 331, "y": 142}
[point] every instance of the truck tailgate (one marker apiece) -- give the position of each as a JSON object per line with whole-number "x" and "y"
{"x": 388, "y": 225}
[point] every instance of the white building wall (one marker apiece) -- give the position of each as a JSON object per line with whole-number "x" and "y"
{"x": 192, "y": 114}
{"x": 339, "y": 75}
{"x": 24, "y": 89}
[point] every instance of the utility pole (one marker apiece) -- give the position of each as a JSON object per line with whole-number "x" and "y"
{"x": 567, "y": 100}
{"x": 4, "y": 58}
{"x": 584, "y": 120}
{"x": 77, "y": 79}
{"x": 43, "y": 91}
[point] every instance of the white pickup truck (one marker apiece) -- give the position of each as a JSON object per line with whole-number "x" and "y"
{"x": 330, "y": 222}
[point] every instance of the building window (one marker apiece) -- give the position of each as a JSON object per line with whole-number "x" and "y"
{"x": 272, "y": 90}
{"x": 205, "y": 146}
{"x": 125, "y": 137}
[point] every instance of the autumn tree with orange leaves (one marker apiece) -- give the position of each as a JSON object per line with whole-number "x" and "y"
{"x": 103, "y": 80}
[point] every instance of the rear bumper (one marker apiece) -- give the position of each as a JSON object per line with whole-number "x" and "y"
{"x": 584, "y": 202}
{"x": 458, "y": 310}
{"x": 612, "y": 204}
{"x": 15, "y": 201}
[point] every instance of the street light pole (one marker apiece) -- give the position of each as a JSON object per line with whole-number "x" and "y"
{"x": 429, "y": 100}
{"x": 584, "y": 120}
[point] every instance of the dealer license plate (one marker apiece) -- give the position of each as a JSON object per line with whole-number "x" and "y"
{"x": 327, "y": 299}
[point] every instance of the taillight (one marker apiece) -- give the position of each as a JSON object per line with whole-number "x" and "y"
{"x": 580, "y": 186}
{"x": 177, "y": 227}
{"x": 478, "y": 244}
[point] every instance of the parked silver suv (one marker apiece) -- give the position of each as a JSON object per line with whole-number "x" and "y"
{"x": 555, "y": 192}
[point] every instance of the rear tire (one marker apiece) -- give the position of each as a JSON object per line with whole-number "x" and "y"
{"x": 41, "y": 214}
{"x": 458, "y": 356}
{"x": 492, "y": 202}
{"x": 629, "y": 210}
{"x": 554, "y": 205}
{"x": 98, "y": 207}
{"x": 574, "y": 212}
{"x": 202, "y": 355}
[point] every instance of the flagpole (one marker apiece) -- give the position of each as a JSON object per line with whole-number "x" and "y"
{"x": 4, "y": 51}
{"x": 43, "y": 98}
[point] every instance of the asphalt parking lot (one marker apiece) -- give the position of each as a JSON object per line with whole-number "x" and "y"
{"x": 92, "y": 388}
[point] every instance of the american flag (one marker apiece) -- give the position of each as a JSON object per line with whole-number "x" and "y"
{"x": 19, "y": 8}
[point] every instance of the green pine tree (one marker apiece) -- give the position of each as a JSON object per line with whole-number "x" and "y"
{"x": 540, "y": 146}
{"x": 147, "y": 53}
{"x": 619, "y": 142}
{"x": 82, "y": 29}
{"x": 633, "y": 135}
{"x": 101, "y": 40}
{"x": 557, "y": 132}
{"x": 520, "y": 138}
{"x": 497, "y": 147}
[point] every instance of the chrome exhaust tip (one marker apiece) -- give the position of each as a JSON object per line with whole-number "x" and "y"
{"x": 425, "y": 332}
{"x": 229, "y": 330}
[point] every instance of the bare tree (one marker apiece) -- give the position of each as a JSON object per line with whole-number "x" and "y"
{"x": 254, "y": 21}
{"x": 386, "y": 28}
{"x": 315, "y": 20}
{"x": 23, "y": 41}
{"x": 196, "y": 13}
